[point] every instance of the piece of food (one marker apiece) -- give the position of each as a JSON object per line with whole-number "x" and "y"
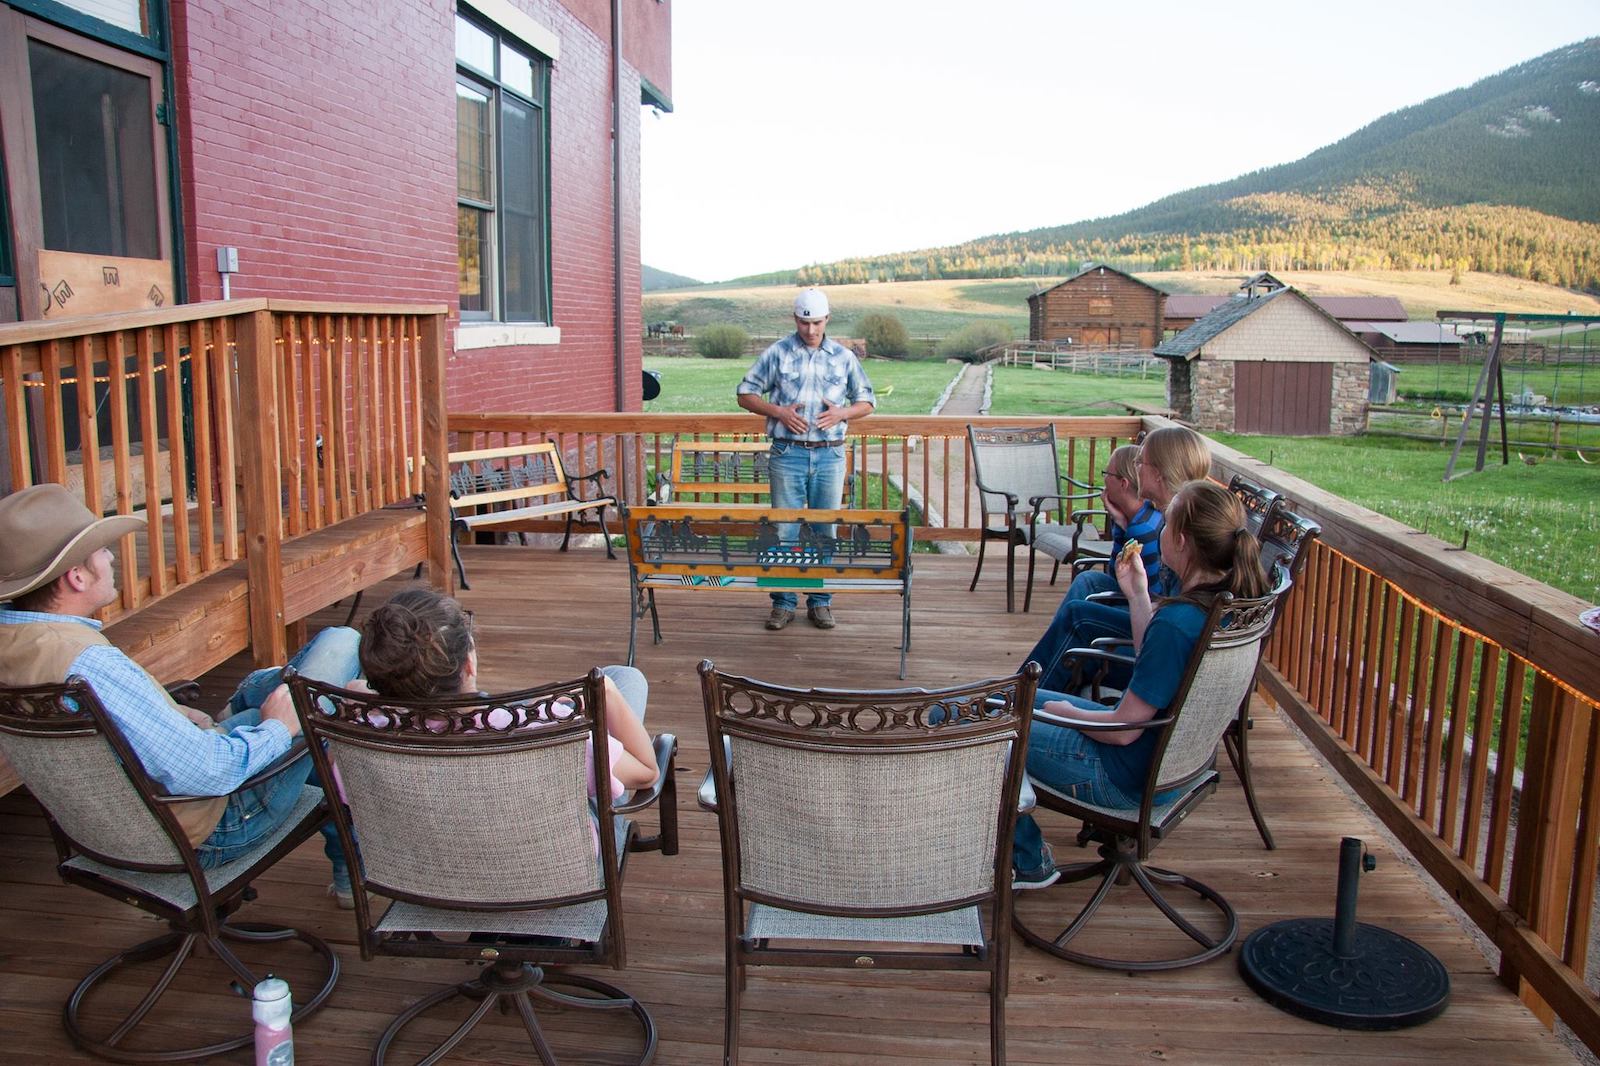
{"x": 1129, "y": 550}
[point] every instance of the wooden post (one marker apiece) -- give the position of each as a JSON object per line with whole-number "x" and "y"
{"x": 436, "y": 453}
{"x": 263, "y": 514}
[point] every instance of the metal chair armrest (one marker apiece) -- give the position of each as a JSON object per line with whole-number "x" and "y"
{"x": 1097, "y": 727}
{"x": 666, "y": 749}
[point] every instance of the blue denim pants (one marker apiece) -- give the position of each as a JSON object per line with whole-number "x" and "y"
{"x": 1077, "y": 623}
{"x": 805, "y": 477}
{"x": 253, "y": 814}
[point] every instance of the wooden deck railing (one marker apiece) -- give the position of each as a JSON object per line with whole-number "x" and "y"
{"x": 239, "y": 423}
{"x": 926, "y": 455}
{"x": 1458, "y": 699}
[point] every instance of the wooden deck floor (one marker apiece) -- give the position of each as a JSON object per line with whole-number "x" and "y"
{"x": 540, "y": 615}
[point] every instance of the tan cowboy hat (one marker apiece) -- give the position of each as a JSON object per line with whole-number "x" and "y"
{"x": 46, "y": 531}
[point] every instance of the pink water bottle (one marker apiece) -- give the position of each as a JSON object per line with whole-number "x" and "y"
{"x": 271, "y": 1010}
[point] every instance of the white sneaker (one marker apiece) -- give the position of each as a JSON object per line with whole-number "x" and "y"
{"x": 344, "y": 897}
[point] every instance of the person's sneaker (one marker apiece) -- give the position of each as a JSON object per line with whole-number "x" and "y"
{"x": 1040, "y": 877}
{"x": 821, "y": 617}
{"x": 780, "y": 617}
{"x": 345, "y": 897}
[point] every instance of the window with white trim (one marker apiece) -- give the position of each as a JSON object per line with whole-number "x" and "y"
{"x": 502, "y": 167}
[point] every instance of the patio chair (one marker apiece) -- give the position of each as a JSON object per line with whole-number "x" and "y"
{"x": 881, "y": 820}
{"x": 473, "y": 817}
{"x": 1218, "y": 677}
{"x": 118, "y": 833}
{"x": 1284, "y": 537}
{"x": 1259, "y": 503}
{"x": 1020, "y": 485}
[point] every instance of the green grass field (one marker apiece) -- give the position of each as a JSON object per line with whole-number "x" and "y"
{"x": 1571, "y": 384}
{"x": 1022, "y": 390}
{"x": 691, "y": 384}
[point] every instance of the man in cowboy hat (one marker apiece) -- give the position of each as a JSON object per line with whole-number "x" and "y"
{"x": 56, "y": 570}
{"x": 817, "y": 385}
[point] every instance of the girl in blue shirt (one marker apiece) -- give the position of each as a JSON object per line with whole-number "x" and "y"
{"x": 1169, "y": 457}
{"x": 1206, "y": 546}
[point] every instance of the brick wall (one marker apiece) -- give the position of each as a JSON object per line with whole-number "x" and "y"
{"x": 320, "y": 141}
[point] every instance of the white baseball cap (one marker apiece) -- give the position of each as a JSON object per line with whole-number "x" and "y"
{"x": 811, "y": 305}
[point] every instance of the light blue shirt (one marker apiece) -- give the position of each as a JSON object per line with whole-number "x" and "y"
{"x": 794, "y": 374}
{"x": 179, "y": 755}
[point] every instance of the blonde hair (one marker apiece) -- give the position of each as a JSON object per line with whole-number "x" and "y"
{"x": 1124, "y": 463}
{"x": 1179, "y": 455}
{"x": 1211, "y": 519}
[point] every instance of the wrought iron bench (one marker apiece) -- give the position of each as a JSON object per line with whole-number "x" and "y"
{"x": 747, "y": 549}
{"x": 531, "y": 477}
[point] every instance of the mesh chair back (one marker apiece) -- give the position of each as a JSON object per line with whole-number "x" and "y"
{"x": 1220, "y": 674}
{"x": 68, "y": 753}
{"x": 470, "y": 801}
{"x": 1021, "y": 461}
{"x": 867, "y": 803}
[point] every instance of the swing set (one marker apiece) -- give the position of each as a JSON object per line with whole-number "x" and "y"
{"x": 1491, "y": 386}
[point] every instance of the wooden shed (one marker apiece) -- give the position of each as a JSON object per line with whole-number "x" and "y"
{"x": 1098, "y": 307}
{"x": 1275, "y": 363}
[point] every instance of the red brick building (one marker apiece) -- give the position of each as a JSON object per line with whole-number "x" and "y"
{"x": 407, "y": 150}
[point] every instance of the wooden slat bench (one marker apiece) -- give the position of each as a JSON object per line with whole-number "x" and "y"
{"x": 703, "y": 470}
{"x": 732, "y": 548}
{"x": 533, "y": 478}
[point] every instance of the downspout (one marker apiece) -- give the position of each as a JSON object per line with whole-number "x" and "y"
{"x": 616, "y": 201}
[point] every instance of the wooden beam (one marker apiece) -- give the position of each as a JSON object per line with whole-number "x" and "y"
{"x": 258, "y": 447}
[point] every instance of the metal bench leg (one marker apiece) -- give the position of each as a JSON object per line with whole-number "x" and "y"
{"x": 983, "y": 542}
{"x": 1027, "y": 596}
{"x": 459, "y": 526}
{"x": 655, "y": 619}
{"x": 568, "y": 534}
{"x": 605, "y": 533}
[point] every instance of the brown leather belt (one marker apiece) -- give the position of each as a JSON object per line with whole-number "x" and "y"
{"x": 793, "y": 443}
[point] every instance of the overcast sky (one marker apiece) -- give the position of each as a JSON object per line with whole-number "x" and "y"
{"x": 806, "y": 132}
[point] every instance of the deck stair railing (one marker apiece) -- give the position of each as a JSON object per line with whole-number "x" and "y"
{"x": 238, "y": 424}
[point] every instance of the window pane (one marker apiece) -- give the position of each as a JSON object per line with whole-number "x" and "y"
{"x": 516, "y": 70}
{"x": 474, "y": 146}
{"x": 476, "y": 258}
{"x": 521, "y": 201}
{"x": 474, "y": 47}
{"x": 97, "y": 173}
{"x": 127, "y": 14}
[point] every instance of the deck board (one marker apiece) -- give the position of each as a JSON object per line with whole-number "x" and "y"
{"x": 542, "y": 615}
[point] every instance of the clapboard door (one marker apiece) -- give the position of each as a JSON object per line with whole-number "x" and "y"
{"x": 1288, "y": 399}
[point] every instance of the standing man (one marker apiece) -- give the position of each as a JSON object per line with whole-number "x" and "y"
{"x": 815, "y": 387}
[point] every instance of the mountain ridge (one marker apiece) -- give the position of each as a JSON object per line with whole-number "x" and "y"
{"x": 1490, "y": 176}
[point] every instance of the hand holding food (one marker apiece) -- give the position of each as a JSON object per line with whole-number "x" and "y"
{"x": 1130, "y": 550}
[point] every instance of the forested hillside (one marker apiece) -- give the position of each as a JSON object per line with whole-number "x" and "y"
{"x": 1498, "y": 177}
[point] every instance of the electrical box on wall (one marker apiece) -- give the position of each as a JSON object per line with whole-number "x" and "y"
{"x": 227, "y": 260}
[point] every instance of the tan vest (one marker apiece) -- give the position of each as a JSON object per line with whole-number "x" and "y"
{"x": 41, "y": 653}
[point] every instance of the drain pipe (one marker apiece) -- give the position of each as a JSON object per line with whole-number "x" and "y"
{"x": 616, "y": 202}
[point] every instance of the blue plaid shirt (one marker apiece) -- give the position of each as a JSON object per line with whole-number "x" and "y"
{"x": 183, "y": 758}
{"x": 793, "y": 373}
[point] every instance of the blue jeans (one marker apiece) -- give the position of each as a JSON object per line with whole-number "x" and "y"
{"x": 253, "y": 814}
{"x": 1065, "y": 760}
{"x": 633, "y": 686}
{"x": 1077, "y": 623}
{"x": 810, "y": 478}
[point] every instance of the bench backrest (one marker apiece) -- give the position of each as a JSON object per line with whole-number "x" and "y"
{"x": 514, "y": 472}
{"x": 695, "y": 541}
{"x": 702, "y": 470}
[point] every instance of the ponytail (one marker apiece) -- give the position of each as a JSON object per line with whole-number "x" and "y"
{"x": 1212, "y": 520}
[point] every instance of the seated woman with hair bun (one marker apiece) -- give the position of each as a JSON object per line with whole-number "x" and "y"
{"x": 1206, "y": 546}
{"x": 420, "y": 644}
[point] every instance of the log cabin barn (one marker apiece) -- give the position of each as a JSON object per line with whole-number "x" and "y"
{"x": 1271, "y": 363}
{"x": 1098, "y": 307}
